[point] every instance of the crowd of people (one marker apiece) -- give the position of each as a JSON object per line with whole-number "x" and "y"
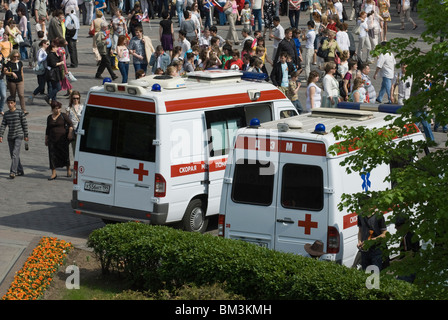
{"x": 324, "y": 54}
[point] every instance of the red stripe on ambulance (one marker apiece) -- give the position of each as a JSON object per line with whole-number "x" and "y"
{"x": 350, "y": 220}
{"x": 229, "y": 99}
{"x": 184, "y": 169}
{"x": 284, "y": 146}
{"x": 120, "y": 103}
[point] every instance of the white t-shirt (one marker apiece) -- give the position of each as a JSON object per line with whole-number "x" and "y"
{"x": 343, "y": 40}
{"x": 278, "y": 32}
{"x": 310, "y": 37}
{"x": 257, "y": 4}
{"x": 339, "y": 8}
{"x": 363, "y": 28}
{"x": 387, "y": 64}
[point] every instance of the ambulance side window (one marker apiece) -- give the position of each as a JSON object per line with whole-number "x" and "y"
{"x": 135, "y": 135}
{"x": 253, "y": 182}
{"x": 302, "y": 187}
{"x": 99, "y": 124}
{"x": 221, "y": 129}
{"x": 287, "y": 114}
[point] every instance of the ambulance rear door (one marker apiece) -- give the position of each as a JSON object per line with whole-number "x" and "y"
{"x": 116, "y": 156}
{"x": 250, "y": 202}
{"x": 302, "y": 195}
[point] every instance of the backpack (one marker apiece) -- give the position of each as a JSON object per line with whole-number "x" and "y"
{"x": 70, "y": 30}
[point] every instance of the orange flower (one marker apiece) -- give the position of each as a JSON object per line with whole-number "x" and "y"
{"x": 36, "y": 275}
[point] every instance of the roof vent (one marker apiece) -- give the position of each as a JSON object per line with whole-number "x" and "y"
{"x": 349, "y": 114}
{"x": 215, "y": 76}
{"x": 289, "y": 124}
{"x": 165, "y": 82}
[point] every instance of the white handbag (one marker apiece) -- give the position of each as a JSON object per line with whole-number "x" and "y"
{"x": 18, "y": 38}
{"x": 71, "y": 77}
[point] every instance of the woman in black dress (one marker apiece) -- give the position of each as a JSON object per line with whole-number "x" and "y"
{"x": 58, "y": 135}
{"x": 166, "y": 32}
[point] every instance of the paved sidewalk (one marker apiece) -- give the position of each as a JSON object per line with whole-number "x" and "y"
{"x": 31, "y": 206}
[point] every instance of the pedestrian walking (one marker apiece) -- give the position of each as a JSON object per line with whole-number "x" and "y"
{"x": 17, "y": 125}
{"x": 15, "y": 79}
{"x": 58, "y": 134}
{"x": 104, "y": 45}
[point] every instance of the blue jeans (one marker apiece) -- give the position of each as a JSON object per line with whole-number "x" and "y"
{"x": 372, "y": 257}
{"x": 385, "y": 88}
{"x": 180, "y": 10}
{"x": 55, "y": 87}
{"x": 426, "y": 126}
{"x": 221, "y": 15}
{"x": 294, "y": 16}
{"x": 2, "y": 94}
{"x": 138, "y": 66}
{"x": 124, "y": 70}
{"x": 298, "y": 106}
{"x": 40, "y": 84}
{"x": 14, "y": 151}
{"x": 257, "y": 18}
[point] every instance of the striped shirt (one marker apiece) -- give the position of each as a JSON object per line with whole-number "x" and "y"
{"x": 16, "y": 121}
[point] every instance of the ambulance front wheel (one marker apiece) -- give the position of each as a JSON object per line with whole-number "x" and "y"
{"x": 194, "y": 218}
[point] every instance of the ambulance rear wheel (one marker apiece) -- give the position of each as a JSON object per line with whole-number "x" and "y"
{"x": 194, "y": 218}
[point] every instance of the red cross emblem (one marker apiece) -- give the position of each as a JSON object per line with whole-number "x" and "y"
{"x": 140, "y": 172}
{"x": 307, "y": 223}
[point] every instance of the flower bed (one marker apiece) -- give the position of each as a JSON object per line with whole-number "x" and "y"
{"x": 33, "y": 279}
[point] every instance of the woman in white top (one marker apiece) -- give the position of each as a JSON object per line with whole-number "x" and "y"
{"x": 73, "y": 111}
{"x": 374, "y": 21}
{"x": 41, "y": 62}
{"x": 342, "y": 37}
{"x": 330, "y": 95}
{"x": 313, "y": 92}
{"x": 123, "y": 58}
{"x": 364, "y": 41}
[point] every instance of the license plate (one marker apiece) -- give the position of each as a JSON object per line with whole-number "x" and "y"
{"x": 258, "y": 243}
{"x": 97, "y": 187}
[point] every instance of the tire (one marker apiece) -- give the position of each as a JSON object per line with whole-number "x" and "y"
{"x": 194, "y": 219}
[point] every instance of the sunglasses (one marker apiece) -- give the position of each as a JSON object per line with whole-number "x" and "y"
{"x": 75, "y": 98}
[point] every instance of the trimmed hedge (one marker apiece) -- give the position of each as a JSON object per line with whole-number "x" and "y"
{"x": 160, "y": 257}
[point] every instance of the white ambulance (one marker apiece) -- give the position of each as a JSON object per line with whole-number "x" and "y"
{"x": 281, "y": 186}
{"x": 154, "y": 150}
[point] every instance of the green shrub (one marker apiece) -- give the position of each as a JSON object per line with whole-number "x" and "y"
{"x": 160, "y": 257}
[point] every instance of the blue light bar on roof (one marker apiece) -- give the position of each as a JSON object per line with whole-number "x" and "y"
{"x": 386, "y": 108}
{"x": 253, "y": 76}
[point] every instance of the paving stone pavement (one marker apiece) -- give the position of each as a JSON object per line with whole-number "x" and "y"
{"x": 31, "y": 206}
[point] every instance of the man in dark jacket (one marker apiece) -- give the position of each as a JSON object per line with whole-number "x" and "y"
{"x": 55, "y": 26}
{"x": 288, "y": 45}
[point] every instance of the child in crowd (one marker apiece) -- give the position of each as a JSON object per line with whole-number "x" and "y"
{"x": 245, "y": 15}
{"x": 293, "y": 89}
{"x": 235, "y": 63}
{"x": 226, "y": 55}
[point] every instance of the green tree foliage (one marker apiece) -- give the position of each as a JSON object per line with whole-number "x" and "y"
{"x": 420, "y": 181}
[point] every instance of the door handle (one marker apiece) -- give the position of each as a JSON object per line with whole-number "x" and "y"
{"x": 285, "y": 220}
{"x": 123, "y": 167}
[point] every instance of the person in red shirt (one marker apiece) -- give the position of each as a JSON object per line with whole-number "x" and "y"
{"x": 235, "y": 63}
{"x": 332, "y": 22}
